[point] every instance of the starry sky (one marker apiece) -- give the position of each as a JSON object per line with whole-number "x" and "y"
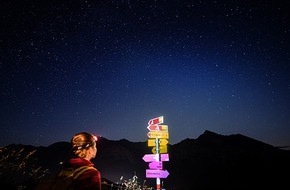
{"x": 108, "y": 67}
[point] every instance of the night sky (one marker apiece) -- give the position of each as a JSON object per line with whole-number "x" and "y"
{"x": 108, "y": 67}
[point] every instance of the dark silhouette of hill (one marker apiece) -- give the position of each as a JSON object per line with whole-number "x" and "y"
{"x": 212, "y": 161}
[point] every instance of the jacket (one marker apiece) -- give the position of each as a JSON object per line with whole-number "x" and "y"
{"x": 90, "y": 179}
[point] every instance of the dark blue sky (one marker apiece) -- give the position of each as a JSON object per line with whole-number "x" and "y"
{"x": 108, "y": 67}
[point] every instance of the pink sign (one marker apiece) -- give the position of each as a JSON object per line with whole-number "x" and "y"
{"x": 155, "y": 165}
{"x": 156, "y": 173}
{"x": 154, "y": 157}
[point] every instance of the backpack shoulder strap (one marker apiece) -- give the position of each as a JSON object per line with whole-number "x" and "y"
{"x": 81, "y": 170}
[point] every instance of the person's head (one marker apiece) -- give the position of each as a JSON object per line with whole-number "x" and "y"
{"x": 84, "y": 145}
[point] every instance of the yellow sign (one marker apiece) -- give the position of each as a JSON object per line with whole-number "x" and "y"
{"x": 158, "y": 134}
{"x": 162, "y": 149}
{"x": 163, "y": 142}
{"x": 152, "y": 142}
{"x": 163, "y": 128}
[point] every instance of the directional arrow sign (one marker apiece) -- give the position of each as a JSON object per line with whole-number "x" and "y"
{"x": 151, "y": 142}
{"x": 154, "y": 157}
{"x": 157, "y": 127}
{"x": 150, "y": 157}
{"x": 162, "y": 149}
{"x": 155, "y": 165}
{"x": 156, "y": 173}
{"x": 158, "y": 134}
{"x": 164, "y": 157}
{"x": 156, "y": 120}
{"x": 162, "y": 142}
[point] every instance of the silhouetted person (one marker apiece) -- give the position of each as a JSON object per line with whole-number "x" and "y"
{"x": 83, "y": 151}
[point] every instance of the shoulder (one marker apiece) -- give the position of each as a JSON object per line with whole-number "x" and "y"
{"x": 89, "y": 179}
{"x": 79, "y": 162}
{"x": 87, "y": 171}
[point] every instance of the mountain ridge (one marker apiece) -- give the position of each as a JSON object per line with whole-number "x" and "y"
{"x": 210, "y": 161}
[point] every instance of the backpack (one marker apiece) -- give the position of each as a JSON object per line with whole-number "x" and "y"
{"x": 63, "y": 181}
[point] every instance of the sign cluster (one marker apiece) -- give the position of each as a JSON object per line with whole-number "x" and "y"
{"x": 158, "y": 140}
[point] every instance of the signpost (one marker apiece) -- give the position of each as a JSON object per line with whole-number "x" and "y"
{"x": 156, "y": 120}
{"x": 156, "y": 173}
{"x": 153, "y": 157}
{"x": 162, "y": 149}
{"x": 162, "y": 142}
{"x": 156, "y": 165}
{"x": 158, "y": 135}
{"x": 157, "y": 127}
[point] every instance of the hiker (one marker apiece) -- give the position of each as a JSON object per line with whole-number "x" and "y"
{"x": 83, "y": 151}
{"x": 78, "y": 173}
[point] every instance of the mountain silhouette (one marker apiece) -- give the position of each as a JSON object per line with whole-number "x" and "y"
{"x": 212, "y": 161}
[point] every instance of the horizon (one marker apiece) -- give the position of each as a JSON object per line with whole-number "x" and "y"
{"x": 282, "y": 147}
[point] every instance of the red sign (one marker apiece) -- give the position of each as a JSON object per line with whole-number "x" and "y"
{"x": 156, "y": 120}
{"x": 157, "y": 127}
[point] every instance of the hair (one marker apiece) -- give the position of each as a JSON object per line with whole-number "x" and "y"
{"x": 81, "y": 142}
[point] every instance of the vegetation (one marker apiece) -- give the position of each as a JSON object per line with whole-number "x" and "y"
{"x": 19, "y": 171}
